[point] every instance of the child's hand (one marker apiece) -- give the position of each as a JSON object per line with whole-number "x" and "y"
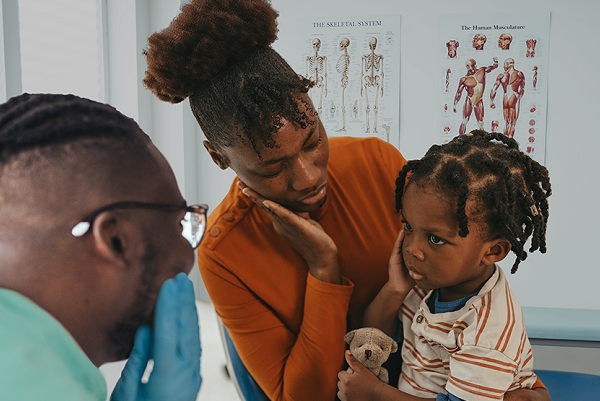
{"x": 360, "y": 385}
{"x": 399, "y": 280}
{"x": 304, "y": 234}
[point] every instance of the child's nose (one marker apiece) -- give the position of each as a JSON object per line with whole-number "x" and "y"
{"x": 413, "y": 250}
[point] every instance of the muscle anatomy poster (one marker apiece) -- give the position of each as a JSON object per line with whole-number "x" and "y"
{"x": 493, "y": 75}
{"x": 355, "y": 65}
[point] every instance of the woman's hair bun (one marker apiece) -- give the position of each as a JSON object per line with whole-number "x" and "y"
{"x": 203, "y": 40}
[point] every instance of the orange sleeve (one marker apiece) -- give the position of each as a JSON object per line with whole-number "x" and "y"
{"x": 538, "y": 384}
{"x": 286, "y": 366}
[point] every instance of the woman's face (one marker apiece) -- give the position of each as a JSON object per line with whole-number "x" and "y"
{"x": 293, "y": 173}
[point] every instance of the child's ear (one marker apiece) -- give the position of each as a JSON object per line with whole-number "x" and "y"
{"x": 497, "y": 251}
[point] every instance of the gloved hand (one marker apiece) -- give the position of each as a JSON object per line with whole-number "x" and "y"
{"x": 174, "y": 345}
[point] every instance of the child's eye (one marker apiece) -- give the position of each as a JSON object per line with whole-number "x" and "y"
{"x": 434, "y": 239}
{"x": 407, "y": 227}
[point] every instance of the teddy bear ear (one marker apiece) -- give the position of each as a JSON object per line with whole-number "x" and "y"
{"x": 349, "y": 336}
{"x": 394, "y": 346}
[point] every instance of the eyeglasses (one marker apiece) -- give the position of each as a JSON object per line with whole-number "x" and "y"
{"x": 194, "y": 221}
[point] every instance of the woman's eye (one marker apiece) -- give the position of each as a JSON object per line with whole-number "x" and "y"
{"x": 407, "y": 227}
{"x": 434, "y": 239}
{"x": 314, "y": 145}
{"x": 272, "y": 175}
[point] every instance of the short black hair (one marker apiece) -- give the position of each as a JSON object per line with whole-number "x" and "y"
{"x": 32, "y": 121}
{"x": 509, "y": 188}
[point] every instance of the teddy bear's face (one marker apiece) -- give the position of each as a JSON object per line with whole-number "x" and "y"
{"x": 370, "y": 346}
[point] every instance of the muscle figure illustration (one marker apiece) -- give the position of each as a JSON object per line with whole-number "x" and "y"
{"x": 494, "y": 125}
{"x": 478, "y": 41}
{"x": 535, "y": 69}
{"x": 342, "y": 67}
{"x": 316, "y": 71}
{"x": 513, "y": 83}
{"x": 474, "y": 84}
{"x": 371, "y": 76}
{"x": 504, "y": 41}
{"x": 530, "y": 47}
{"x": 447, "y": 78}
{"x": 452, "y": 45}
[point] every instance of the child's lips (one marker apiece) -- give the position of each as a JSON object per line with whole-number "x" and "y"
{"x": 414, "y": 274}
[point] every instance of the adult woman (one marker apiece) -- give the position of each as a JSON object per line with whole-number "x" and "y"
{"x": 291, "y": 276}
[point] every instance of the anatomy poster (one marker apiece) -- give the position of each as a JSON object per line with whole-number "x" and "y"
{"x": 355, "y": 65}
{"x": 493, "y": 74}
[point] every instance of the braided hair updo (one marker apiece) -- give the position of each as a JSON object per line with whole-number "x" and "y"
{"x": 509, "y": 190}
{"x": 217, "y": 52}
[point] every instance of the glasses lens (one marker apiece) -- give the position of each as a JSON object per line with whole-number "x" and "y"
{"x": 194, "y": 225}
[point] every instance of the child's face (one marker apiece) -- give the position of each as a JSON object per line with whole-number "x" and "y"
{"x": 434, "y": 254}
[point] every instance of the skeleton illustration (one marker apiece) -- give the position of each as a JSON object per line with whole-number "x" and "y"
{"x": 355, "y": 108}
{"x": 387, "y": 129}
{"x": 332, "y": 110}
{"x": 342, "y": 67}
{"x": 316, "y": 71}
{"x": 530, "y": 47}
{"x": 371, "y": 75}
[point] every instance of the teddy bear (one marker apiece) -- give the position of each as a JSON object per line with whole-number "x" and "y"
{"x": 371, "y": 347}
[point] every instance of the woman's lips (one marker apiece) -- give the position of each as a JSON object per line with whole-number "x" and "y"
{"x": 315, "y": 197}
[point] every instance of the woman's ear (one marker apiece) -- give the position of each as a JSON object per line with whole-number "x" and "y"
{"x": 216, "y": 155}
{"x": 112, "y": 240}
{"x": 498, "y": 249}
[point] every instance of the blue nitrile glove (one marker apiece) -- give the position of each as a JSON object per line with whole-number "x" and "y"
{"x": 173, "y": 344}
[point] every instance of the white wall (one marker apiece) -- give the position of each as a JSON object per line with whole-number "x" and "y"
{"x": 567, "y": 276}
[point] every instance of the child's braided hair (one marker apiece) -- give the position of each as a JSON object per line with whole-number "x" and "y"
{"x": 510, "y": 190}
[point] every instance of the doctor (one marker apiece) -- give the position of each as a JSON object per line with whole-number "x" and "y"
{"x": 90, "y": 244}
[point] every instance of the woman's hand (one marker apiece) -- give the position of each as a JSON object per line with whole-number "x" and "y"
{"x": 304, "y": 234}
{"x": 360, "y": 385}
{"x": 399, "y": 280}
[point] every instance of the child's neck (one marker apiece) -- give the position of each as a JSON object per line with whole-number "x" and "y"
{"x": 464, "y": 289}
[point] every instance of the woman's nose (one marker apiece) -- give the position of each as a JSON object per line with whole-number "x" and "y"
{"x": 306, "y": 174}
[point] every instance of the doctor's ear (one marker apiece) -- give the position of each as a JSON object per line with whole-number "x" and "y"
{"x": 216, "y": 155}
{"x": 113, "y": 239}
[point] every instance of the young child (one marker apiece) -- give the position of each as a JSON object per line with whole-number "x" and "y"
{"x": 464, "y": 206}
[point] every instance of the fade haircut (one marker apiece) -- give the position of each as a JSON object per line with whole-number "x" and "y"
{"x": 509, "y": 189}
{"x": 49, "y": 123}
{"x": 217, "y": 52}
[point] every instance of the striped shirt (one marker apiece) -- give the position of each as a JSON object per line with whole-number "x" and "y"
{"x": 475, "y": 353}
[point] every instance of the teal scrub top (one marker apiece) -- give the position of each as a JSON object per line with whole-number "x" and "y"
{"x": 39, "y": 360}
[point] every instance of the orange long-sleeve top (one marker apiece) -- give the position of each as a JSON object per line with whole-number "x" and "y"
{"x": 288, "y": 326}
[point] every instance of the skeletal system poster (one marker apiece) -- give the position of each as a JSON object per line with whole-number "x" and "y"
{"x": 493, "y": 75}
{"x": 355, "y": 65}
